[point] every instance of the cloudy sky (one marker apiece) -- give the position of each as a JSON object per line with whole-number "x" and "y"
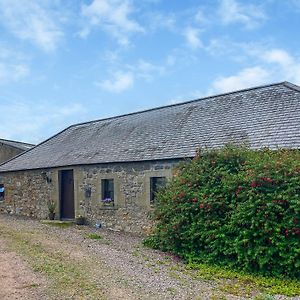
{"x": 68, "y": 61}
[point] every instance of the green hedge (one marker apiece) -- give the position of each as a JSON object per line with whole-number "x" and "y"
{"x": 234, "y": 207}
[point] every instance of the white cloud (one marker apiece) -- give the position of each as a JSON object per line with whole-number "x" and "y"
{"x": 111, "y": 57}
{"x": 232, "y": 11}
{"x": 112, "y": 16}
{"x": 12, "y": 72}
{"x": 158, "y": 21}
{"x": 191, "y": 35}
{"x": 278, "y": 56}
{"x": 283, "y": 63}
{"x": 201, "y": 17}
{"x": 171, "y": 60}
{"x": 120, "y": 82}
{"x": 31, "y": 21}
{"x": 271, "y": 65}
{"x": 191, "y": 95}
{"x": 147, "y": 70}
{"x": 247, "y": 77}
{"x": 34, "y": 123}
{"x": 13, "y": 66}
{"x": 126, "y": 75}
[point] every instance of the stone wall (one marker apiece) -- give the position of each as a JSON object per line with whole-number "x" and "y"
{"x": 7, "y": 152}
{"x": 27, "y": 193}
{"x": 132, "y": 194}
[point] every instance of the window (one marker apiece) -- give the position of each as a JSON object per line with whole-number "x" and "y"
{"x": 1, "y": 192}
{"x": 107, "y": 192}
{"x": 155, "y": 184}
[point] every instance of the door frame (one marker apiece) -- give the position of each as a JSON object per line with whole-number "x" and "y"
{"x": 60, "y": 172}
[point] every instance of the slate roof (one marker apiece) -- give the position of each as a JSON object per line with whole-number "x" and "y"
{"x": 266, "y": 116}
{"x": 15, "y": 144}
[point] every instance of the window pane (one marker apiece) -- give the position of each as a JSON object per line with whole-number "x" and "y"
{"x": 2, "y": 192}
{"x": 107, "y": 191}
{"x": 155, "y": 184}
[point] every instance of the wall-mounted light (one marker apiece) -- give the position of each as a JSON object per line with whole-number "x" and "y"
{"x": 88, "y": 192}
{"x": 46, "y": 177}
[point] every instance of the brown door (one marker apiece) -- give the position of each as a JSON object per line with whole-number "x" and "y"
{"x": 67, "y": 195}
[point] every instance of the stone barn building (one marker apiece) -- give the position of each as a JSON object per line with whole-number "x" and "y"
{"x": 10, "y": 149}
{"x": 108, "y": 170}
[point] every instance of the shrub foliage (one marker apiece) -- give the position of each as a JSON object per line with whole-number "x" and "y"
{"x": 235, "y": 207}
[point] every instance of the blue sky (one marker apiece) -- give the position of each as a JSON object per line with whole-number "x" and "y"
{"x": 68, "y": 61}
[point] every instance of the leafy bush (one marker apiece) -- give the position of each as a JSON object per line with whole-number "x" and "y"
{"x": 235, "y": 207}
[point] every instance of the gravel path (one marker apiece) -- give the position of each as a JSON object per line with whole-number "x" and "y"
{"x": 17, "y": 280}
{"x": 117, "y": 263}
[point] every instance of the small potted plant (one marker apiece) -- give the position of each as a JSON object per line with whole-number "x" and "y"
{"x": 51, "y": 209}
{"x": 80, "y": 220}
{"x": 108, "y": 202}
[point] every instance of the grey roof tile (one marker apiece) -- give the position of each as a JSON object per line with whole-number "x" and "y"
{"x": 267, "y": 116}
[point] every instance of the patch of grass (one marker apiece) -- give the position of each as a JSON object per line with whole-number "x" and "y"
{"x": 175, "y": 275}
{"x": 240, "y": 283}
{"x": 161, "y": 262}
{"x": 135, "y": 253}
{"x": 97, "y": 237}
{"x": 60, "y": 224}
{"x": 171, "y": 290}
{"x": 93, "y": 236}
{"x": 264, "y": 297}
{"x": 217, "y": 297}
{"x": 145, "y": 257}
{"x": 69, "y": 279}
{"x": 176, "y": 267}
{"x": 31, "y": 285}
{"x": 236, "y": 288}
{"x": 178, "y": 276}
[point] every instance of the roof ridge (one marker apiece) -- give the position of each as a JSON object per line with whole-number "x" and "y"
{"x": 6, "y": 140}
{"x": 285, "y": 83}
{"x": 292, "y": 86}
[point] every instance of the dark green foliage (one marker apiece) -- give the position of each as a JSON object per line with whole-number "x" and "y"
{"x": 235, "y": 207}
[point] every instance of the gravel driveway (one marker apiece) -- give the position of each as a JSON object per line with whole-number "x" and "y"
{"x": 115, "y": 266}
{"x": 17, "y": 280}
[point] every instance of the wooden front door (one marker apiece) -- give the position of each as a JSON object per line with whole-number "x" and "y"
{"x": 67, "y": 210}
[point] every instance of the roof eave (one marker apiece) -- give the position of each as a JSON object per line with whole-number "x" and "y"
{"x": 98, "y": 163}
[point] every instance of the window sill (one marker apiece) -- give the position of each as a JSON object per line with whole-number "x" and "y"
{"x": 108, "y": 208}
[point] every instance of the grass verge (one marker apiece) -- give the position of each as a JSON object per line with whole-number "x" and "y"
{"x": 243, "y": 284}
{"x": 68, "y": 278}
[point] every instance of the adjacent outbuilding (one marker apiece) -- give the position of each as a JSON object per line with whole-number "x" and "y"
{"x": 10, "y": 149}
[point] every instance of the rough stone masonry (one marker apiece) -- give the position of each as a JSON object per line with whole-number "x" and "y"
{"x": 28, "y": 192}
